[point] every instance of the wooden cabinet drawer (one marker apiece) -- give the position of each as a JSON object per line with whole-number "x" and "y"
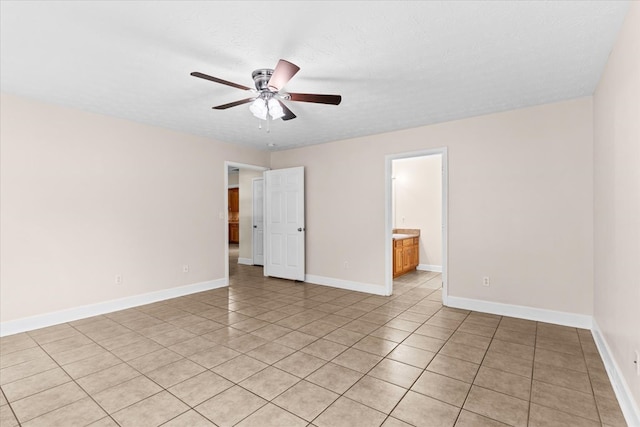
{"x": 397, "y": 243}
{"x": 407, "y": 242}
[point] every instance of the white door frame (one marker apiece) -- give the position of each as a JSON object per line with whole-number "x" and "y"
{"x": 253, "y": 220}
{"x": 388, "y": 216}
{"x": 225, "y": 213}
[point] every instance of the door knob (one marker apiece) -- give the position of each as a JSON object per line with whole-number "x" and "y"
{"x": 299, "y": 229}
{"x": 255, "y": 226}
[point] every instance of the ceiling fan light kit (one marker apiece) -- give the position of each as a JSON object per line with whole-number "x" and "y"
{"x": 259, "y": 109}
{"x": 268, "y": 101}
{"x": 275, "y": 110}
{"x": 265, "y": 104}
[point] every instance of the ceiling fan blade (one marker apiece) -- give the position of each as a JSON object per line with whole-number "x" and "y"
{"x": 217, "y": 80}
{"x": 288, "y": 114}
{"x": 314, "y": 97}
{"x": 233, "y": 104}
{"x": 282, "y": 74}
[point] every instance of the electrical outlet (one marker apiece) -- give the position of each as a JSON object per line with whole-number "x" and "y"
{"x": 185, "y": 268}
{"x": 486, "y": 281}
{"x": 118, "y": 279}
{"x": 346, "y": 265}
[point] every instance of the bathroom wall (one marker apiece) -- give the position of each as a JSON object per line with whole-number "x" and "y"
{"x": 417, "y": 188}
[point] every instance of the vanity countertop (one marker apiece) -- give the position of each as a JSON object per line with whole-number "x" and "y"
{"x": 401, "y": 236}
{"x": 405, "y": 233}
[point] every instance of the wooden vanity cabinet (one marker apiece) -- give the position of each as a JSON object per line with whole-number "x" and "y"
{"x": 406, "y": 255}
{"x": 398, "y": 265}
{"x": 234, "y": 232}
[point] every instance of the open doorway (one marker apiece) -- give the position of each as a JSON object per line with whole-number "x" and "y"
{"x": 239, "y": 183}
{"x": 416, "y": 219}
{"x": 283, "y": 235}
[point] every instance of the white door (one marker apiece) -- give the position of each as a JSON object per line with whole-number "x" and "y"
{"x": 284, "y": 223}
{"x": 258, "y": 221}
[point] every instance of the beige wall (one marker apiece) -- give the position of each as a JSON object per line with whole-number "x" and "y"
{"x": 417, "y": 195}
{"x": 617, "y": 200}
{"x": 246, "y": 211}
{"x": 85, "y": 197}
{"x": 520, "y": 204}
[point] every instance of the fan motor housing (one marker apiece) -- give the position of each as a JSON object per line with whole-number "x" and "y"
{"x": 261, "y": 78}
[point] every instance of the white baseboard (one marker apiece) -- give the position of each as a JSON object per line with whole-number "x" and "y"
{"x": 245, "y": 261}
{"x": 48, "y": 319}
{"x": 620, "y": 387}
{"x": 429, "y": 267}
{"x": 345, "y": 284}
{"x": 531, "y": 313}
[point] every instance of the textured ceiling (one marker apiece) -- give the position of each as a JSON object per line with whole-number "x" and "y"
{"x": 396, "y": 64}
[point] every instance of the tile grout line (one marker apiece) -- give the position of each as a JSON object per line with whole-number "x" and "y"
{"x": 365, "y": 374}
{"x": 533, "y": 368}
{"x": 372, "y": 368}
{"x": 329, "y": 361}
{"x": 61, "y": 367}
{"x": 384, "y": 357}
{"x": 297, "y": 350}
{"x": 593, "y": 393}
{"x": 11, "y": 409}
{"x": 390, "y": 310}
{"x": 479, "y": 366}
{"x": 80, "y": 386}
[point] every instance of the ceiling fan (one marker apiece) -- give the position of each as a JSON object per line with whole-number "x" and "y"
{"x": 268, "y": 94}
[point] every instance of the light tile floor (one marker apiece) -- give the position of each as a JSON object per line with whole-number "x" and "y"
{"x": 267, "y": 352}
